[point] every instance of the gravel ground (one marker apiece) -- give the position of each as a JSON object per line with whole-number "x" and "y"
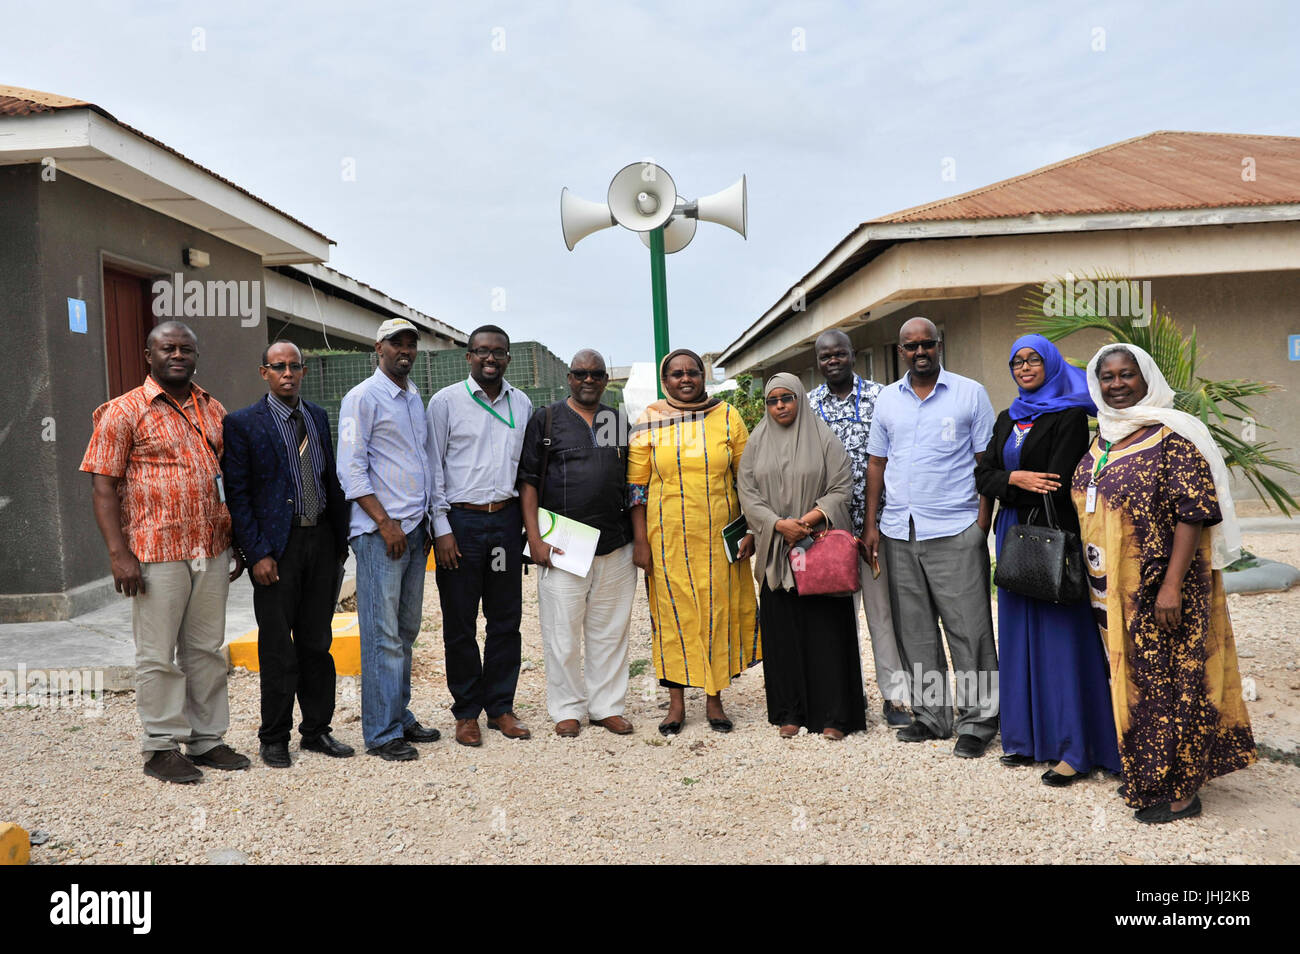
{"x": 701, "y": 797}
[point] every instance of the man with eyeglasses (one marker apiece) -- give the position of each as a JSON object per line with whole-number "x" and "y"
{"x": 289, "y": 519}
{"x": 476, "y": 432}
{"x": 385, "y": 471}
{"x": 931, "y": 428}
{"x": 574, "y": 463}
{"x": 847, "y": 404}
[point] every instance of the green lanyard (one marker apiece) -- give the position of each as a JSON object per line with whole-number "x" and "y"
{"x": 488, "y": 407}
{"x": 1104, "y": 457}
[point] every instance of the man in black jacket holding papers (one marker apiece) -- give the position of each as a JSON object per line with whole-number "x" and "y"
{"x": 573, "y": 464}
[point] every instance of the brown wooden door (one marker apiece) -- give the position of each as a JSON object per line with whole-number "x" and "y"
{"x": 127, "y": 322}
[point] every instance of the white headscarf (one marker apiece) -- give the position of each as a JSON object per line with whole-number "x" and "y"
{"x": 1158, "y": 408}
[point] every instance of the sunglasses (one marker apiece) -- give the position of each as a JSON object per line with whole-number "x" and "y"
{"x": 776, "y": 399}
{"x": 691, "y": 373}
{"x": 913, "y": 346}
{"x": 583, "y": 373}
{"x": 279, "y": 366}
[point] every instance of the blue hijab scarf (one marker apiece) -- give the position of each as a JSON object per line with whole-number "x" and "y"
{"x": 1063, "y": 385}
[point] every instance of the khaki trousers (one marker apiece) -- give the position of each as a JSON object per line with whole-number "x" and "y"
{"x": 180, "y": 674}
{"x": 873, "y": 597}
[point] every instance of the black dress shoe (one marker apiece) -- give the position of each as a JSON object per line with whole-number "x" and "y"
{"x": 918, "y": 731}
{"x": 275, "y": 754}
{"x": 969, "y": 746}
{"x": 1056, "y": 780}
{"x": 418, "y": 733}
{"x": 327, "y": 745}
{"x": 395, "y": 750}
{"x": 1016, "y": 761}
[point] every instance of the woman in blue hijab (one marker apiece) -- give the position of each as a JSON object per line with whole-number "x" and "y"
{"x": 1052, "y": 669}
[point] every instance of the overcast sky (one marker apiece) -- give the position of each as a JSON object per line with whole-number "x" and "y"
{"x": 837, "y": 112}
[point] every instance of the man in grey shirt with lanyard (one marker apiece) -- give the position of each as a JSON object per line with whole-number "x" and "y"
{"x": 476, "y": 432}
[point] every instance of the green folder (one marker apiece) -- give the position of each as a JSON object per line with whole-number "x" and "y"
{"x": 732, "y": 534}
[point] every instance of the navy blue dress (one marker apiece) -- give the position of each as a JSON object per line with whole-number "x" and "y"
{"x": 1052, "y": 678}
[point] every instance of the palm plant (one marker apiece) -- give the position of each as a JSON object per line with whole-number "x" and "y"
{"x": 1221, "y": 405}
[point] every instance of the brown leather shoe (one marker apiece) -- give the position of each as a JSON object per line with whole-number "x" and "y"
{"x": 789, "y": 731}
{"x": 467, "y": 732}
{"x": 509, "y": 725}
{"x": 567, "y": 728}
{"x": 616, "y": 724}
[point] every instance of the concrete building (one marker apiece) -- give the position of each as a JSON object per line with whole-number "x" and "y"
{"x": 1211, "y": 220}
{"x": 105, "y": 231}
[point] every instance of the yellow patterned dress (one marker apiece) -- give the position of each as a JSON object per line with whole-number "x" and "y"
{"x": 704, "y": 617}
{"x": 1176, "y": 695}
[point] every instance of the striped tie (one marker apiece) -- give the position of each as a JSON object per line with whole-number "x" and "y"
{"x": 306, "y": 470}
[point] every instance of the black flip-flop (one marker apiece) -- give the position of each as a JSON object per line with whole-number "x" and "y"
{"x": 1160, "y": 814}
{"x": 669, "y": 728}
{"x": 721, "y": 725}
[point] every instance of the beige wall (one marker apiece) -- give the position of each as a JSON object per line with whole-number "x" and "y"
{"x": 1242, "y": 321}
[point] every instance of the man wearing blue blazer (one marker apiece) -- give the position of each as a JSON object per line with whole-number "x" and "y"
{"x": 289, "y": 519}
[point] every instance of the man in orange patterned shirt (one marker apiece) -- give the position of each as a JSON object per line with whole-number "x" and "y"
{"x": 156, "y": 460}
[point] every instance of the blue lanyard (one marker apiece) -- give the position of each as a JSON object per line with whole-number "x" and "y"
{"x": 857, "y": 399}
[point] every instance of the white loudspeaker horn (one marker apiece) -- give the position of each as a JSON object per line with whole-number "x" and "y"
{"x": 580, "y": 217}
{"x": 642, "y": 196}
{"x": 730, "y": 207}
{"x": 677, "y": 233}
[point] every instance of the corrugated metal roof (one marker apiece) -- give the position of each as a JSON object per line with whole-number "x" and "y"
{"x": 1161, "y": 170}
{"x": 16, "y": 101}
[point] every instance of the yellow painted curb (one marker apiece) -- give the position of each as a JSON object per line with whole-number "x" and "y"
{"x": 15, "y": 844}
{"x": 345, "y": 648}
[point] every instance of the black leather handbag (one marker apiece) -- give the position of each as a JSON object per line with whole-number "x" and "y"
{"x": 1043, "y": 562}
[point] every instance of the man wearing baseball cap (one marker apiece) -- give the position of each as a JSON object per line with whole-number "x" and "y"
{"x": 383, "y": 466}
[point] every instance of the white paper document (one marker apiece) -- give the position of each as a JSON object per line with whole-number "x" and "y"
{"x": 577, "y": 540}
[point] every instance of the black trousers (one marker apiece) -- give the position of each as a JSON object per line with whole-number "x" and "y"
{"x": 490, "y": 571}
{"x": 293, "y": 636}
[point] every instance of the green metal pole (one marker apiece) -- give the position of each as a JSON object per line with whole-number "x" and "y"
{"x": 659, "y": 293}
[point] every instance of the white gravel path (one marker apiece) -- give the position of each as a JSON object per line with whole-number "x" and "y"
{"x": 702, "y": 797}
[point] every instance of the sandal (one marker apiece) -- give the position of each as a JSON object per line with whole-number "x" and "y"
{"x": 669, "y": 728}
{"x": 1160, "y": 814}
{"x": 721, "y": 725}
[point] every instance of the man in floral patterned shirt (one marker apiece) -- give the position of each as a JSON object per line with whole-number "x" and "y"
{"x": 846, "y": 403}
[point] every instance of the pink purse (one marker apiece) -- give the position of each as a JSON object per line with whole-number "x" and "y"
{"x": 829, "y": 567}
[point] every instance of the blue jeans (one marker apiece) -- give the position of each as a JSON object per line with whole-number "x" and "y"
{"x": 390, "y": 597}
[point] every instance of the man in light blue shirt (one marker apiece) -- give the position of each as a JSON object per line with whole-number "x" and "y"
{"x": 930, "y": 429}
{"x": 385, "y": 471}
{"x": 476, "y": 431}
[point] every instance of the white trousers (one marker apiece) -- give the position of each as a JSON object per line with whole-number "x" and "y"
{"x": 873, "y": 597}
{"x": 595, "y": 610}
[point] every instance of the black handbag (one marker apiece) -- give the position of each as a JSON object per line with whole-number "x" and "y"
{"x": 1042, "y": 562}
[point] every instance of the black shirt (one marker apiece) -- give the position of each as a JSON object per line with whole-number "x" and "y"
{"x": 586, "y": 473}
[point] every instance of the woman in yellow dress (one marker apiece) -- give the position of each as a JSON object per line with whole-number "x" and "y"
{"x": 683, "y": 458}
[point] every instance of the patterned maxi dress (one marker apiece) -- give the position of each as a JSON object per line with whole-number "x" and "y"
{"x": 1176, "y": 695}
{"x": 703, "y": 613}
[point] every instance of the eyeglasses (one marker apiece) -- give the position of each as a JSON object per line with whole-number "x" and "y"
{"x": 279, "y": 366}
{"x": 776, "y": 399}
{"x": 689, "y": 373}
{"x": 583, "y": 373}
{"x": 1033, "y": 361}
{"x": 912, "y": 346}
{"x": 484, "y": 353}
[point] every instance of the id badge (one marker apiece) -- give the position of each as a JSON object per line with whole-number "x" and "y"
{"x": 221, "y": 488}
{"x": 1090, "y": 506}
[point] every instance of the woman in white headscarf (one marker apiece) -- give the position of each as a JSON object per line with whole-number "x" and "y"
{"x": 795, "y": 478}
{"x": 1158, "y": 526}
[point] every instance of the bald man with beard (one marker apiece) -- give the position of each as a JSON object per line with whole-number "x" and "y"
{"x": 930, "y": 430}
{"x": 574, "y": 463}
